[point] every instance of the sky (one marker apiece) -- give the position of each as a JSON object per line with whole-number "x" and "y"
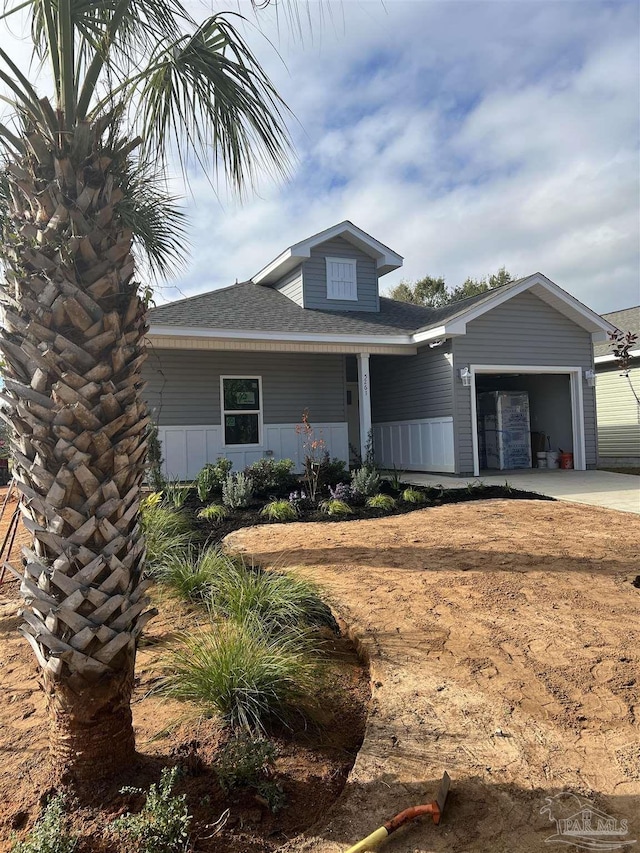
{"x": 464, "y": 135}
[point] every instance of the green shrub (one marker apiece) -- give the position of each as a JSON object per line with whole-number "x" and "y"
{"x": 214, "y": 512}
{"x": 383, "y": 502}
{"x": 279, "y": 511}
{"x": 277, "y": 601}
{"x": 332, "y": 472}
{"x": 212, "y": 476}
{"x": 49, "y": 834}
{"x": 167, "y": 534}
{"x": 244, "y": 762}
{"x": 272, "y": 476}
{"x": 365, "y": 482}
{"x": 335, "y": 507}
{"x": 237, "y": 491}
{"x": 192, "y": 575}
{"x": 396, "y": 479}
{"x": 247, "y": 678}
{"x": 176, "y": 492}
{"x": 163, "y": 824}
{"x": 413, "y": 496}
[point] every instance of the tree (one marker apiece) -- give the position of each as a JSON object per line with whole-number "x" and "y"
{"x": 82, "y": 199}
{"x": 433, "y": 292}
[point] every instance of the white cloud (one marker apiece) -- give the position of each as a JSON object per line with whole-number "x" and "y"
{"x": 464, "y": 135}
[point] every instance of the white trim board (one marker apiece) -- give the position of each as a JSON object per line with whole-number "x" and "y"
{"x": 603, "y": 359}
{"x": 577, "y": 406}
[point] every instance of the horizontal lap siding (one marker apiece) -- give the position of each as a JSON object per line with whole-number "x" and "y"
{"x": 290, "y": 285}
{"x": 315, "y": 278}
{"x": 184, "y": 385}
{"x": 524, "y": 330}
{"x": 618, "y": 412}
{"x": 411, "y": 387}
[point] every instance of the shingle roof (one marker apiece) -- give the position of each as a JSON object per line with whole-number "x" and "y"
{"x": 627, "y": 320}
{"x": 253, "y": 307}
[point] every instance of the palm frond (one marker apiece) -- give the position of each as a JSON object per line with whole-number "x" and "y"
{"x": 206, "y": 93}
{"x": 155, "y": 218}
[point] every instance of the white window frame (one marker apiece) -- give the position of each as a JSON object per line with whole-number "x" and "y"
{"x": 224, "y": 412}
{"x": 352, "y": 262}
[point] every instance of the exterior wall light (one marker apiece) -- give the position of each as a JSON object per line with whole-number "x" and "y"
{"x": 590, "y": 378}
{"x": 465, "y": 375}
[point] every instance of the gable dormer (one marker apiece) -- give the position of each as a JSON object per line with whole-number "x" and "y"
{"x": 335, "y": 270}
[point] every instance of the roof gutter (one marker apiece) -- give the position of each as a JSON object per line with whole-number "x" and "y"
{"x": 247, "y": 334}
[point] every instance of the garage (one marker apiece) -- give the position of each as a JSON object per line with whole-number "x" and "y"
{"x": 522, "y": 410}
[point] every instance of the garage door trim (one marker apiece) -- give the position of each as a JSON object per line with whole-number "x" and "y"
{"x": 577, "y": 406}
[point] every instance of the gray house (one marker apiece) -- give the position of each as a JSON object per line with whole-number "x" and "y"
{"x": 617, "y": 405}
{"x": 230, "y": 372}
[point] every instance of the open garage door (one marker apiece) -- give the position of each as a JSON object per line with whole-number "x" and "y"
{"x": 553, "y": 399}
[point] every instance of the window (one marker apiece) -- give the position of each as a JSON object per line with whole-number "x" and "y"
{"x": 341, "y": 279}
{"x": 241, "y": 409}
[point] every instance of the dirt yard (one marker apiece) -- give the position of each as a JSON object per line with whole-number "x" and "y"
{"x": 504, "y": 646}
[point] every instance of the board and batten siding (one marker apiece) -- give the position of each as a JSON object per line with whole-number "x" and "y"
{"x": 618, "y": 413}
{"x": 290, "y": 286}
{"x": 314, "y": 271}
{"x": 417, "y": 386}
{"x": 525, "y": 330}
{"x": 184, "y": 385}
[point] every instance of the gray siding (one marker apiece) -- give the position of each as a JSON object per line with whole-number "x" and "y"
{"x": 618, "y": 412}
{"x": 524, "y": 330}
{"x": 290, "y": 286}
{"x": 411, "y": 387}
{"x": 184, "y": 385}
{"x": 315, "y": 278}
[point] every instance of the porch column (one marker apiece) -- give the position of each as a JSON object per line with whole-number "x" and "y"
{"x": 364, "y": 394}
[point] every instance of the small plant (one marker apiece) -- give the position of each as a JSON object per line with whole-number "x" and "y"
{"x": 216, "y": 513}
{"x": 279, "y": 511}
{"x": 163, "y": 824}
{"x": 271, "y": 476}
{"x": 300, "y": 500}
{"x": 315, "y": 453}
{"x": 244, "y": 762}
{"x": 413, "y": 496}
{"x": 167, "y": 533}
{"x": 278, "y": 601}
{"x": 341, "y": 492}
{"x": 234, "y": 670}
{"x": 192, "y": 575}
{"x": 212, "y": 476}
{"x": 177, "y": 492}
{"x": 237, "y": 491}
{"x": 334, "y": 507}
{"x": 365, "y": 483}
{"x": 332, "y": 472}
{"x": 369, "y": 454}
{"x": 383, "y": 502}
{"x": 49, "y": 834}
{"x": 396, "y": 479}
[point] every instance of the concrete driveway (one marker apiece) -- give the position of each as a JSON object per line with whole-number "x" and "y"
{"x": 597, "y": 488}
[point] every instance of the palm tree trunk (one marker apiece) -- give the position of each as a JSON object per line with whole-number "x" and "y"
{"x": 73, "y": 343}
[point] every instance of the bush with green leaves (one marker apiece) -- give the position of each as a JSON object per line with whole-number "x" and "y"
{"x": 163, "y": 824}
{"x": 278, "y": 601}
{"x": 332, "y": 472}
{"x": 335, "y": 508}
{"x": 382, "y": 502}
{"x": 167, "y": 533}
{"x": 249, "y": 762}
{"x": 272, "y": 476}
{"x": 210, "y": 479}
{"x": 237, "y": 491}
{"x": 234, "y": 670}
{"x": 216, "y": 513}
{"x": 176, "y": 492}
{"x": 365, "y": 483}
{"x": 281, "y": 510}
{"x": 192, "y": 574}
{"x": 50, "y": 833}
{"x": 413, "y": 496}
